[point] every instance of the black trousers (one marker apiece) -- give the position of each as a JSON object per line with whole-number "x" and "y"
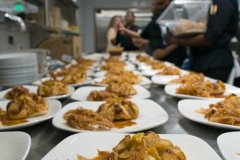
{"x": 218, "y": 73}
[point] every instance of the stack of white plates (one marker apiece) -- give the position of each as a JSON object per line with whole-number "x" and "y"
{"x": 18, "y": 69}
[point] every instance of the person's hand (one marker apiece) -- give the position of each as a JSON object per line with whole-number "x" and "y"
{"x": 113, "y": 41}
{"x": 121, "y": 28}
{"x": 158, "y": 53}
{"x": 139, "y": 42}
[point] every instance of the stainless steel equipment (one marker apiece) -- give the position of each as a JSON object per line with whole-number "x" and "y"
{"x": 19, "y": 20}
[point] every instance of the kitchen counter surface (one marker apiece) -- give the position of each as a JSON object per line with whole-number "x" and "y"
{"x": 45, "y": 136}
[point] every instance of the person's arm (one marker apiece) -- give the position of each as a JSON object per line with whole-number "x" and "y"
{"x": 140, "y": 42}
{"x": 193, "y": 41}
{"x": 116, "y": 40}
{"x": 111, "y": 35}
{"x": 129, "y": 32}
{"x": 216, "y": 25}
{"x": 162, "y": 53}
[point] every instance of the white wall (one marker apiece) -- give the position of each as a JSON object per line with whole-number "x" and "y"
{"x": 20, "y": 38}
{"x": 86, "y": 16}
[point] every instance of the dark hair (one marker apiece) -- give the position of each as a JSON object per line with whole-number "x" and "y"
{"x": 112, "y": 21}
{"x": 131, "y": 13}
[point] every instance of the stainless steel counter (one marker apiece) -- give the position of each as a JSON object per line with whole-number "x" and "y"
{"x": 45, "y": 136}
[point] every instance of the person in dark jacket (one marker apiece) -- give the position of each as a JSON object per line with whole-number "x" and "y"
{"x": 160, "y": 51}
{"x": 211, "y": 51}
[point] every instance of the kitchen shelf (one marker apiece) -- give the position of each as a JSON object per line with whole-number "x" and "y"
{"x": 35, "y": 26}
{"x": 36, "y": 2}
{"x": 64, "y": 2}
{"x": 69, "y": 3}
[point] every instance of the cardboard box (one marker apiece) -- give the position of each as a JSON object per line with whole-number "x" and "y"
{"x": 63, "y": 47}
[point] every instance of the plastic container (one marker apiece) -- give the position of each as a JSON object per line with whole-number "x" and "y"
{"x": 184, "y": 17}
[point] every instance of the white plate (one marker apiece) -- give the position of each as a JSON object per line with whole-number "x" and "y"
{"x": 122, "y": 58}
{"x": 126, "y": 62}
{"x": 143, "y": 66}
{"x": 229, "y": 145}
{"x": 188, "y": 108}
{"x": 91, "y": 68}
{"x": 34, "y": 89}
{"x": 144, "y": 81}
{"x": 132, "y": 58}
{"x": 88, "y": 81}
{"x": 89, "y": 72}
{"x": 11, "y": 84}
{"x": 54, "y": 107}
{"x": 25, "y": 64}
{"x": 16, "y": 56}
{"x": 82, "y": 93}
{"x": 17, "y": 71}
{"x": 7, "y": 79}
{"x": 87, "y": 144}
{"x": 19, "y": 75}
{"x": 165, "y": 79}
{"x": 128, "y": 68}
{"x": 102, "y": 73}
{"x": 14, "y": 145}
{"x": 149, "y": 117}
{"x": 97, "y": 56}
{"x": 150, "y": 72}
{"x": 171, "y": 90}
{"x": 96, "y": 64}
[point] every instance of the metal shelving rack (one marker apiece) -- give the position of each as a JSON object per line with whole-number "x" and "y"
{"x": 35, "y": 26}
{"x": 39, "y": 32}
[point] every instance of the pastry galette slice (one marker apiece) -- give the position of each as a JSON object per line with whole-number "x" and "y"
{"x": 121, "y": 89}
{"x": 118, "y": 109}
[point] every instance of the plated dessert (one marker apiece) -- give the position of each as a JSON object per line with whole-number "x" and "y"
{"x": 189, "y": 78}
{"x": 121, "y": 89}
{"x": 52, "y": 88}
{"x": 100, "y": 95}
{"x": 113, "y": 115}
{"x": 16, "y": 92}
{"x": 170, "y": 71}
{"x": 85, "y": 61}
{"x": 49, "y": 89}
{"x": 79, "y": 68}
{"x": 111, "y": 65}
{"x": 119, "y": 73}
{"x": 202, "y": 89}
{"x": 144, "y": 59}
{"x": 158, "y": 65}
{"x": 113, "y": 59}
{"x": 145, "y": 146}
{"x": 104, "y": 117}
{"x": 225, "y": 112}
{"x": 72, "y": 69}
{"x": 74, "y": 78}
{"x": 129, "y": 78}
{"x": 113, "y": 90}
{"x": 22, "y": 107}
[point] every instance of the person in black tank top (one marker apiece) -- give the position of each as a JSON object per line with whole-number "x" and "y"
{"x": 124, "y": 39}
